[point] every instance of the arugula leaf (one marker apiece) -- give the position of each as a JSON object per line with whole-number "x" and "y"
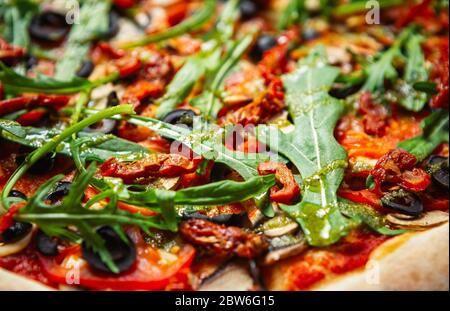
{"x": 312, "y": 148}
{"x": 213, "y": 104}
{"x": 17, "y": 16}
{"x": 181, "y": 85}
{"x": 204, "y": 62}
{"x": 52, "y": 144}
{"x": 383, "y": 68}
{"x": 415, "y": 71}
{"x": 93, "y": 23}
{"x": 15, "y": 83}
{"x": 55, "y": 219}
{"x": 192, "y": 23}
{"x": 435, "y": 132}
{"x": 361, "y": 6}
{"x": 101, "y": 147}
{"x": 362, "y": 213}
{"x": 218, "y": 193}
{"x": 294, "y": 13}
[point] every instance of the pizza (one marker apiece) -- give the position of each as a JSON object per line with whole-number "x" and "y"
{"x": 224, "y": 145}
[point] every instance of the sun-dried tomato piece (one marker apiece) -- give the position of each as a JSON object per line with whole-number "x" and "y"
{"x": 397, "y": 168}
{"x": 375, "y": 115}
{"x": 9, "y": 52}
{"x": 155, "y": 165}
{"x": 290, "y": 190}
{"x": 222, "y": 240}
{"x": 15, "y": 104}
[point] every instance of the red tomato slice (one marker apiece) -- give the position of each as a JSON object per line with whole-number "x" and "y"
{"x": 125, "y": 4}
{"x": 362, "y": 196}
{"x": 148, "y": 272}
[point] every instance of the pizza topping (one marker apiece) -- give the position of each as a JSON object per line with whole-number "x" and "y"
{"x": 152, "y": 166}
{"x": 15, "y": 232}
{"x": 46, "y": 245}
{"x": 181, "y": 117}
{"x": 123, "y": 252}
{"x": 222, "y": 240}
{"x": 426, "y": 221}
{"x": 290, "y": 190}
{"x": 375, "y": 115}
{"x": 397, "y": 167}
{"x": 49, "y": 27}
{"x": 402, "y": 201}
{"x": 438, "y": 167}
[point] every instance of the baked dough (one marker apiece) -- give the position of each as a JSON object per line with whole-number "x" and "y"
{"x": 412, "y": 261}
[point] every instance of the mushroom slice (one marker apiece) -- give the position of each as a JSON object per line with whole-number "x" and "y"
{"x": 233, "y": 277}
{"x": 427, "y": 220}
{"x": 284, "y": 247}
{"x": 278, "y": 226}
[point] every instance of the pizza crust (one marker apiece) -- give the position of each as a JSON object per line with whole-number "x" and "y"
{"x": 412, "y": 261}
{"x": 409, "y": 262}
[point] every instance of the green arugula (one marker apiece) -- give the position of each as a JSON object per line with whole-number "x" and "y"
{"x": 294, "y": 13}
{"x": 435, "y": 131}
{"x": 17, "y": 16}
{"x": 355, "y": 7}
{"x": 54, "y": 143}
{"x": 55, "y": 220}
{"x": 364, "y": 214}
{"x": 15, "y": 83}
{"x": 415, "y": 71}
{"x": 93, "y": 24}
{"x": 195, "y": 22}
{"x": 206, "y": 61}
{"x": 312, "y": 148}
{"x": 383, "y": 68}
{"x": 101, "y": 147}
{"x": 209, "y": 101}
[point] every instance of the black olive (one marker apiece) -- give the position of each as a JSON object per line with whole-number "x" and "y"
{"x": 105, "y": 126}
{"x": 255, "y": 272}
{"x": 30, "y": 61}
{"x": 263, "y": 44}
{"x": 44, "y": 165}
{"x": 404, "y": 202}
{"x": 310, "y": 34}
{"x": 113, "y": 26}
{"x": 49, "y": 26}
{"x": 46, "y": 245}
{"x": 86, "y": 69}
{"x": 113, "y": 99}
{"x": 17, "y": 194}
{"x": 181, "y": 117}
{"x": 122, "y": 253}
{"x": 14, "y": 233}
{"x": 248, "y": 9}
{"x": 61, "y": 190}
{"x": 438, "y": 167}
{"x": 223, "y": 219}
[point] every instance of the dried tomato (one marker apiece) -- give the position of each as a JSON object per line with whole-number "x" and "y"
{"x": 290, "y": 191}
{"x": 222, "y": 240}
{"x": 375, "y": 115}
{"x": 15, "y": 104}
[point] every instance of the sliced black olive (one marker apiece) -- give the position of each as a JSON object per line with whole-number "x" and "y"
{"x": 224, "y": 219}
{"x": 61, "y": 190}
{"x": 438, "y": 167}
{"x": 310, "y": 34}
{"x": 14, "y": 233}
{"x": 113, "y": 99}
{"x": 180, "y": 117}
{"x": 105, "y": 126}
{"x": 122, "y": 253}
{"x": 49, "y": 26}
{"x": 404, "y": 202}
{"x": 17, "y": 194}
{"x": 44, "y": 165}
{"x": 113, "y": 26}
{"x": 263, "y": 44}
{"x": 30, "y": 61}
{"x": 248, "y": 9}
{"x": 46, "y": 245}
{"x": 86, "y": 69}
